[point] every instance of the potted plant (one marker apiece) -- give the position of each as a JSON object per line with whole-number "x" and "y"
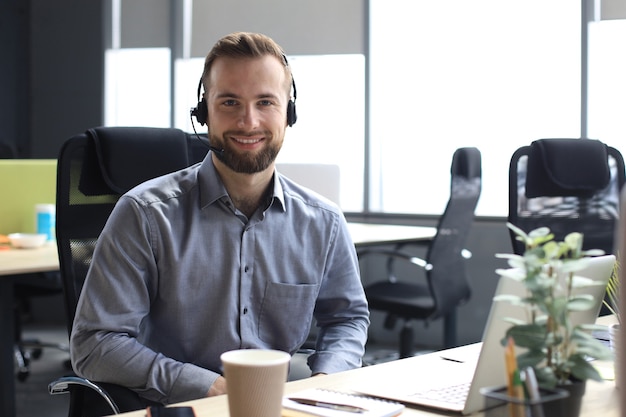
{"x": 549, "y": 343}
{"x": 612, "y": 303}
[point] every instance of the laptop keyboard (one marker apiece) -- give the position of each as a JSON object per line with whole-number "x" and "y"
{"x": 454, "y": 394}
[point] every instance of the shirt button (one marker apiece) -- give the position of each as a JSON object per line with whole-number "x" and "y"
{"x": 246, "y": 268}
{"x": 245, "y": 310}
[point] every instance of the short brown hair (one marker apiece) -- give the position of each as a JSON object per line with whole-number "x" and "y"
{"x": 245, "y": 45}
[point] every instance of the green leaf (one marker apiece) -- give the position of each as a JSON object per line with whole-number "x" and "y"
{"x": 530, "y": 336}
{"x": 514, "y": 273}
{"x": 582, "y": 302}
{"x": 531, "y": 357}
{"x": 545, "y": 377}
{"x": 589, "y": 346}
{"x": 511, "y": 298}
{"x": 582, "y": 369}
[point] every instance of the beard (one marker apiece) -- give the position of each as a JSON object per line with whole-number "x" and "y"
{"x": 246, "y": 162}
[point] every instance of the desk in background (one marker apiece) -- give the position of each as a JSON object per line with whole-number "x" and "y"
{"x": 14, "y": 262}
{"x": 371, "y": 234}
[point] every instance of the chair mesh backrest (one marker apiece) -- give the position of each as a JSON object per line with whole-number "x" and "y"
{"x": 94, "y": 169}
{"x": 448, "y": 278}
{"x": 567, "y": 185}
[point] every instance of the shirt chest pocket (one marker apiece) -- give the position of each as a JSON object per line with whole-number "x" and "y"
{"x": 286, "y": 314}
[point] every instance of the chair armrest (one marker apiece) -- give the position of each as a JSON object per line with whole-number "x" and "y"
{"x": 394, "y": 254}
{"x": 62, "y": 386}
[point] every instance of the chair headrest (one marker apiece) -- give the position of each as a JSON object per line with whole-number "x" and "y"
{"x": 466, "y": 162}
{"x": 128, "y": 156}
{"x": 567, "y": 167}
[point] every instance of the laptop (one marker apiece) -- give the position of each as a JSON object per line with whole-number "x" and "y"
{"x": 461, "y": 372}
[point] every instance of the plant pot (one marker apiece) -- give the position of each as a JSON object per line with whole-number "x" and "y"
{"x": 499, "y": 404}
{"x": 614, "y": 344}
{"x": 570, "y": 405}
{"x": 563, "y": 401}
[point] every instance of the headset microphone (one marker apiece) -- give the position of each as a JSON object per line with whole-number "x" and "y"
{"x": 218, "y": 151}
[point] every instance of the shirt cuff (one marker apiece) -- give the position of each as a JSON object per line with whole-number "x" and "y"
{"x": 192, "y": 383}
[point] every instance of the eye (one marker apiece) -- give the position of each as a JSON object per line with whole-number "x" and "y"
{"x": 229, "y": 103}
{"x": 266, "y": 102}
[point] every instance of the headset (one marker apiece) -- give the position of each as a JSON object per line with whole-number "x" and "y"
{"x": 201, "y": 113}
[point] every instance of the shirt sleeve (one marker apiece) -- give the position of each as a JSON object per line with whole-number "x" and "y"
{"x": 341, "y": 310}
{"x": 105, "y": 342}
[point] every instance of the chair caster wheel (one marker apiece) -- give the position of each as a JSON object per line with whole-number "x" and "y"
{"x": 36, "y": 353}
{"x": 22, "y": 375}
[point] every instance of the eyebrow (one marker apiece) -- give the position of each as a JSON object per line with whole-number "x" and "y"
{"x": 260, "y": 96}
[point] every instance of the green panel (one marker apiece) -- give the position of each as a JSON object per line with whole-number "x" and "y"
{"x": 25, "y": 183}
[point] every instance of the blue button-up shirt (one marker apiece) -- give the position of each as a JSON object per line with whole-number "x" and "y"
{"x": 179, "y": 276}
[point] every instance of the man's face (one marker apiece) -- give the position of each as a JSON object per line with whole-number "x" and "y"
{"x": 247, "y": 103}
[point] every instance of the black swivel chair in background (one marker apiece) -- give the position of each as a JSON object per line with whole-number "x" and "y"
{"x": 441, "y": 283}
{"x": 567, "y": 185}
{"x": 94, "y": 169}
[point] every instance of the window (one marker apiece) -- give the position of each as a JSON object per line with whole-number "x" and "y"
{"x": 607, "y": 84}
{"x": 485, "y": 73}
{"x": 137, "y": 87}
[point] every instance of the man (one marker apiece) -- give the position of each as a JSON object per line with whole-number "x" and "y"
{"x": 226, "y": 254}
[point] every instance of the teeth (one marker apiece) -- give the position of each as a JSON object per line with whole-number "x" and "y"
{"x": 247, "y": 141}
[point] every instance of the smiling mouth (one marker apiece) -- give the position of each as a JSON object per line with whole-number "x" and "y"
{"x": 247, "y": 141}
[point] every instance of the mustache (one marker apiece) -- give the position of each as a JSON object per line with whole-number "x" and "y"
{"x": 246, "y": 133}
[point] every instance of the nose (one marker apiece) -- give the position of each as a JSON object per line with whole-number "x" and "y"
{"x": 249, "y": 117}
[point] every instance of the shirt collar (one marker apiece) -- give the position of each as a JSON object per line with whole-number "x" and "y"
{"x": 212, "y": 188}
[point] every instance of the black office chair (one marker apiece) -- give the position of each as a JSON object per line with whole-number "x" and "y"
{"x": 94, "y": 169}
{"x": 567, "y": 185}
{"x": 445, "y": 284}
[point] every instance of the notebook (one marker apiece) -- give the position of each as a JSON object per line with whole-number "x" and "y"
{"x": 343, "y": 405}
{"x": 453, "y": 383}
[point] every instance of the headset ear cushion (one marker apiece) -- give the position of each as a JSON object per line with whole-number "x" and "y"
{"x": 201, "y": 112}
{"x": 291, "y": 113}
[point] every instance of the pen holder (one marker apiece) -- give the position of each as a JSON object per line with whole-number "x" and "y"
{"x": 499, "y": 404}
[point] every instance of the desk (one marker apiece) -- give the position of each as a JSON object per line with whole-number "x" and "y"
{"x": 601, "y": 399}
{"x": 15, "y": 262}
{"x": 371, "y": 234}
{"x": 25, "y": 261}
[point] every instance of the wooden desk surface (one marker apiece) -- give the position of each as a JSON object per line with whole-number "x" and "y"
{"x": 25, "y": 261}
{"x": 601, "y": 399}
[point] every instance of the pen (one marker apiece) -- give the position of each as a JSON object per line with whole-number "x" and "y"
{"x": 514, "y": 385}
{"x": 533, "y": 390}
{"x": 333, "y": 406}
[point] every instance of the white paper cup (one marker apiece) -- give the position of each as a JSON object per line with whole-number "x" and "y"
{"x": 255, "y": 381}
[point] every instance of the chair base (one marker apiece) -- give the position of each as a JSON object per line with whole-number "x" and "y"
{"x": 26, "y": 350}
{"x": 406, "y": 341}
